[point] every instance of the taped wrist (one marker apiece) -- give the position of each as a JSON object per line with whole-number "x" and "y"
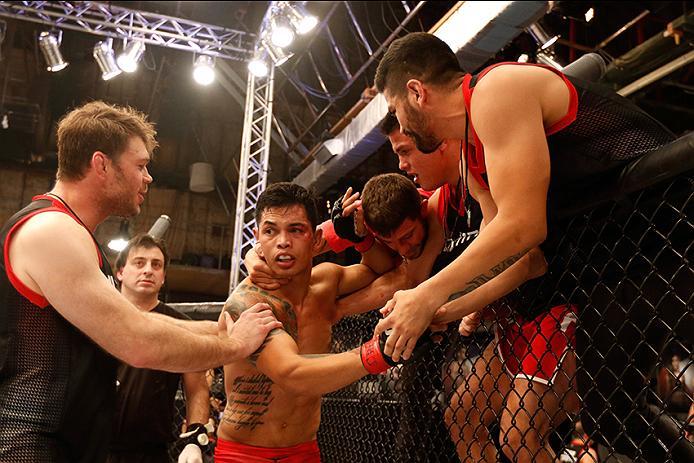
{"x": 196, "y": 434}
{"x": 376, "y": 361}
{"x": 372, "y": 356}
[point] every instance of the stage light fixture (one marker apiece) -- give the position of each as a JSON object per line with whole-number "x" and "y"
{"x": 589, "y": 15}
{"x": 131, "y": 55}
{"x": 302, "y": 21}
{"x": 543, "y": 39}
{"x": 281, "y": 33}
{"x": 276, "y": 54}
{"x": 257, "y": 65}
{"x": 49, "y": 42}
{"x": 203, "y": 70}
{"x": 468, "y": 21}
{"x": 120, "y": 241}
{"x": 106, "y": 59}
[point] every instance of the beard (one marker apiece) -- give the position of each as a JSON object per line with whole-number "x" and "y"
{"x": 424, "y": 139}
{"x": 119, "y": 200}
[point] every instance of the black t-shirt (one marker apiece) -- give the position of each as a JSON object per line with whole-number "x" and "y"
{"x": 145, "y": 402}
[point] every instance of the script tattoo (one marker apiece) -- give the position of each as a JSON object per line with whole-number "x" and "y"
{"x": 249, "y": 401}
{"x": 479, "y": 280}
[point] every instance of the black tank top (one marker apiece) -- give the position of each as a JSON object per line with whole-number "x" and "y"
{"x": 57, "y": 387}
{"x": 601, "y": 132}
{"x": 459, "y": 233}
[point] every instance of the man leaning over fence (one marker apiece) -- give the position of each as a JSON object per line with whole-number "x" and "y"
{"x": 516, "y": 121}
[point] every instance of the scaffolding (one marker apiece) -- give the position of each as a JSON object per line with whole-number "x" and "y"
{"x": 255, "y": 156}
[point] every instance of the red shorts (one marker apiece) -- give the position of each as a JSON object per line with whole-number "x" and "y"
{"x": 534, "y": 349}
{"x": 233, "y": 452}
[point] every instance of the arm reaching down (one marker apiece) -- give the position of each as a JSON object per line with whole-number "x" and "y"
{"x": 508, "y": 118}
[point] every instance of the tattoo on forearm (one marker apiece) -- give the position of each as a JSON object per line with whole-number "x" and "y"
{"x": 479, "y": 280}
{"x": 249, "y": 401}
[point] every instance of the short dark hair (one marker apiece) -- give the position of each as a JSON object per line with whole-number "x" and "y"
{"x": 143, "y": 240}
{"x": 285, "y": 194}
{"x": 387, "y": 200}
{"x": 389, "y": 124}
{"x": 418, "y": 55}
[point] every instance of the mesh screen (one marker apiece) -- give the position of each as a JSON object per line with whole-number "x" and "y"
{"x": 593, "y": 362}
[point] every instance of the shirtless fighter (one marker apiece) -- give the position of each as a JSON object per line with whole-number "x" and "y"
{"x": 273, "y": 400}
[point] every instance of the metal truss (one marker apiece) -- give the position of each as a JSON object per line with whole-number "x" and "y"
{"x": 253, "y": 167}
{"x": 124, "y": 23}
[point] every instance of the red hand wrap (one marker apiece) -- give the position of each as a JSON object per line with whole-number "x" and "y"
{"x": 336, "y": 243}
{"x": 372, "y": 357}
{"x": 366, "y": 244}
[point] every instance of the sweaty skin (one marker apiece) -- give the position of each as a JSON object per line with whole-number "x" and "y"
{"x": 274, "y": 397}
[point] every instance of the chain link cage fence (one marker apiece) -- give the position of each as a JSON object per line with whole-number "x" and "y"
{"x": 590, "y": 363}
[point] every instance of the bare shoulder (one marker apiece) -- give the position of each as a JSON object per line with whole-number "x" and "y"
{"x": 48, "y": 240}
{"x": 325, "y": 273}
{"x": 510, "y": 91}
{"x": 51, "y": 228}
{"x": 246, "y": 295}
{"x": 511, "y": 77}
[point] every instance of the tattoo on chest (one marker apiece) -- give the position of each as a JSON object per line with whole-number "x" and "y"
{"x": 249, "y": 402}
{"x": 479, "y": 280}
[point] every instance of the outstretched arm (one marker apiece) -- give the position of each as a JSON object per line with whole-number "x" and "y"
{"x": 66, "y": 273}
{"x": 530, "y": 266}
{"x": 279, "y": 358}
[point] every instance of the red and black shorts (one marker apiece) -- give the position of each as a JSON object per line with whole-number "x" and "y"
{"x": 534, "y": 349}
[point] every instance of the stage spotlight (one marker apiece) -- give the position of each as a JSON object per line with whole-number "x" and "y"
{"x": 281, "y": 34}
{"x": 257, "y": 65}
{"x": 120, "y": 241}
{"x": 276, "y": 54}
{"x": 302, "y": 21}
{"x": 106, "y": 59}
{"x": 589, "y": 15}
{"x": 542, "y": 38}
{"x": 203, "y": 70}
{"x": 49, "y": 42}
{"x": 132, "y": 53}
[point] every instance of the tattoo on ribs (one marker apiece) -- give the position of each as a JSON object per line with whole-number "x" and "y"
{"x": 249, "y": 401}
{"x": 479, "y": 280}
